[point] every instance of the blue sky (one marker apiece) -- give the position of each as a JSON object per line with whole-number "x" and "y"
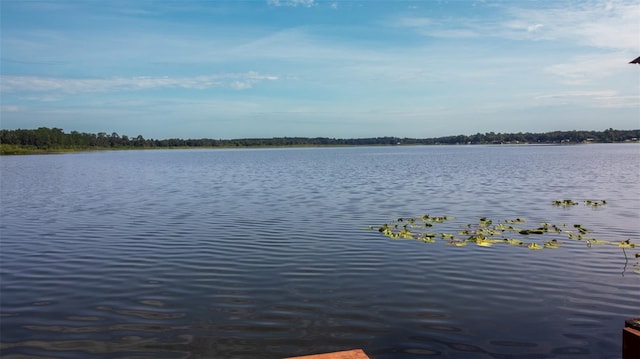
{"x": 344, "y": 69}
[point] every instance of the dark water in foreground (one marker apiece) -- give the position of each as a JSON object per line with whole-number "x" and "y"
{"x": 262, "y": 253}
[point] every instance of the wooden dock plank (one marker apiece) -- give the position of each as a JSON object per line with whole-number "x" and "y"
{"x": 347, "y": 354}
{"x": 630, "y": 343}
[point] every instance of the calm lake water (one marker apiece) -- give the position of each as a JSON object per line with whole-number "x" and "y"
{"x": 264, "y": 253}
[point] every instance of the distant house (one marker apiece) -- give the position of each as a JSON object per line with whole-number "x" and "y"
{"x": 636, "y": 61}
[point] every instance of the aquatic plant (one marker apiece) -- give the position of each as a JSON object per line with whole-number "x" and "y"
{"x": 564, "y": 203}
{"x": 595, "y": 203}
{"x": 487, "y": 232}
{"x": 570, "y": 202}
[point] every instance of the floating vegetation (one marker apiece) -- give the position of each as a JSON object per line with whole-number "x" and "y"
{"x": 565, "y": 203}
{"x": 487, "y": 232}
{"x": 513, "y": 242}
{"x": 595, "y": 203}
{"x": 552, "y": 244}
{"x": 535, "y": 246}
{"x": 570, "y": 202}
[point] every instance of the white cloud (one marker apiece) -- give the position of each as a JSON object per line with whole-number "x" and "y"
{"x": 610, "y": 25}
{"x": 9, "y": 108}
{"x": 534, "y": 28}
{"x": 292, "y": 3}
{"x": 452, "y": 34}
{"x": 241, "y": 85}
{"x": 586, "y": 69}
{"x": 410, "y": 21}
{"x": 619, "y": 102}
{"x": 251, "y": 79}
{"x": 239, "y": 81}
{"x": 598, "y": 94}
{"x": 433, "y": 27}
{"x": 592, "y": 98}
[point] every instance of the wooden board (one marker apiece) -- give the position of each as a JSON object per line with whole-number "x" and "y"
{"x": 347, "y": 354}
{"x": 630, "y": 343}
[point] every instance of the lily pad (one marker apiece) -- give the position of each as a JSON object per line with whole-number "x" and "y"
{"x": 487, "y": 231}
{"x": 535, "y": 246}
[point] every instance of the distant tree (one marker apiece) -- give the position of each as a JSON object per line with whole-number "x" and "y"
{"x": 139, "y": 141}
{"x": 114, "y": 139}
{"x": 48, "y": 139}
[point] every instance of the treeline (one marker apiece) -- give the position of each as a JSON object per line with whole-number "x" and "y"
{"x": 54, "y": 139}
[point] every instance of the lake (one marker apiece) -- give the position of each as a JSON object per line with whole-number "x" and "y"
{"x": 266, "y": 253}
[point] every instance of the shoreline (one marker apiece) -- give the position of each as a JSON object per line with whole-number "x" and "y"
{"x": 13, "y": 150}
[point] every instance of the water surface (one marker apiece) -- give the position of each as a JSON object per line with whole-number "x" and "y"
{"x": 262, "y": 253}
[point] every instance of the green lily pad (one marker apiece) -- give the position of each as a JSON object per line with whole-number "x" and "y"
{"x": 535, "y": 246}
{"x": 487, "y": 232}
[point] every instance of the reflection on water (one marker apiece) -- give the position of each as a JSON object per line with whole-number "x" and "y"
{"x": 261, "y": 253}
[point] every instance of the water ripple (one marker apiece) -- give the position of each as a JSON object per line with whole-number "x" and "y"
{"x": 261, "y": 253}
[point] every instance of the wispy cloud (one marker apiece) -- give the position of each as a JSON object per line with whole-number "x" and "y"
{"x": 292, "y": 3}
{"x": 610, "y": 25}
{"x": 9, "y": 108}
{"x": 447, "y": 28}
{"x": 413, "y": 21}
{"x": 568, "y": 94}
{"x": 595, "y": 99}
{"x": 240, "y": 81}
{"x": 586, "y": 69}
{"x": 444, "y": 28}
{"x": 534, "y": 28}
